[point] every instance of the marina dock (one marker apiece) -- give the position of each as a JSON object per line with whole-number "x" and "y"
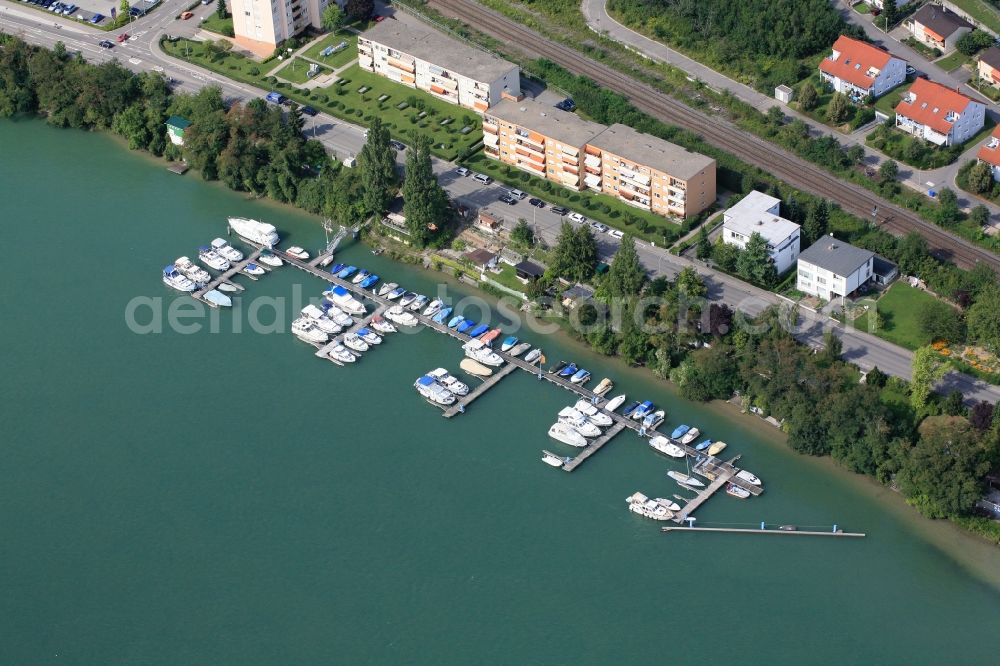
{"x": 464, "y": 401}
{"x": 323, "y": 351}
{"x": 227, "y": 275}
{"x": 746, "y": 530}
{"x": 594, "y": 446}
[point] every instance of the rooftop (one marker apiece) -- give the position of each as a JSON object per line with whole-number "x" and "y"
{"x": 529, "y": 268}
{"x": 932, "y": 105}
{"x": 479, "y": 257}
{"x": 836, "y": 256}
{"x": 750, "y": 215}
{"x": 651, "y": 151}
{"x": 991, "y": 57}
{"x": 437, "y": 48}
{"x": 178, "y": 122}
{"x": 940, "y": 21}
{"x": 989, "y": 152}
{"x": 563, "y": 126}
{"x": 855, "y": 61}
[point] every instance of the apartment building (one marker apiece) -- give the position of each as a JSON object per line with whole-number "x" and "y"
{"x": 938, "y": 114}
{"x": 260, "y": 25}
{"x": 830, "y": 268}
{"x": 759, "y": 213}
{"x": 649, "y": 173}
{"x": 539, "y": 138}
{"x": 423, "y": 58}
{"x": 859, "y": 70}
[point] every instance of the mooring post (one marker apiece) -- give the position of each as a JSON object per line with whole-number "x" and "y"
{"x": 461, "y": 408}
{"x": 690, "y": 520}
{"x": 835, "y": 527}
{"x": 762, "y": 524}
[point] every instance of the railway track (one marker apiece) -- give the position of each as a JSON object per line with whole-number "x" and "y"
{"x": 751, "y": 149}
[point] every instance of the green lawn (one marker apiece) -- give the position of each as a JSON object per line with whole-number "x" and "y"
{"x": 918, "y": 153}
{"x": 862, "y": 8}
{"x": 220, "y": 26}
{"x": 233, "y": 65}
{"x": 297, "y": 71}
{"x": 982, "y": 11}
{"x": 953, "y": 61}
{"x": 899, "y": 308}
{"x": 590, "y": 204}
{"x": 887, "y": 102}
{"x": 338, "y": 59}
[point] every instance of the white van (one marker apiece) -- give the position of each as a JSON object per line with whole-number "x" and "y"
{"x": 518, "y": 194}
{"x": 482, "y": 178}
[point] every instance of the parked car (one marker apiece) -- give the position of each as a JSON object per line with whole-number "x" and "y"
{"x": 398, "y": 145}
{"x": 567, "y": 104}
{"x": 275, "y": 98}
{"x": 96, "y": 18}
{"x": 122, "y": 38}
{"x": 482, "y": 178}
{"x": 517, "y": 194}
{"x": 186, "y": 15}
{"x": 308, "y": 110}
{"x": 615, "y": 233}
{"x": 600, "y": 228}
{"x": 379, "y": 18}
{"x": 463, "y": 171}
{"x": 537, "y": 203}
{"x": 576, "y": 217}
{"x": 105, "y": 44}
{"x": 559, "y": 210}
{"x": 910, "y": 70}
{"x": 507, "y": 199}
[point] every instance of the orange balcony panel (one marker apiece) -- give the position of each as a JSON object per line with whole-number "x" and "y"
{"x": 435, "y": 88}
{"x": 480, "y": 106}
{"x": 536, "y": 137}
{"x": 399, "y": 64}
{"x": 531, "y": 165}
{"x": 407, "y": 78}
{"x": 492, "y": 129}
{"x": 568, "y": 168}
{"x": 590, "y": 150}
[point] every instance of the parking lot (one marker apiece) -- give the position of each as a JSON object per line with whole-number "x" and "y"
{"x": 97, "y": 12}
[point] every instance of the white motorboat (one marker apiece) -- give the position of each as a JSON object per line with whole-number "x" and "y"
{"x": 478, "y": 351}
{"x": 578, "y": 422}
{"x": 192, "y": 271}
{"x": 552, "y": 459}
{"x": 398, "y": 315}
{"x": 685, "y": 480}
{"x": 217, "y": 298}
{"x": 654, "y": 419}
{"x": 735, "y": 491}
{"x": 226, "y": 250}
{"x": 647, "y": 508}
{"x": 418, "y": 303}
{"x": 664, "y": 445}
{"x": 593, "y": 414}
{"x": 228, "y": 287}
{"x": 434, "y": 307}
{"x": 369, "y": 336}
{"x": 748, "y": 477}
{"x": 174, "y": 278}
{"x": 567, "y": 435}
{"x": 253, "y": 269}
{"x": 212, "y": 259}
{"x": 320, "y": 320}
{"x": 669, "y": 504}
{"x": 344, "y": 300}
{"x": 306, "y": 330}
{"x": 339, "y": 317}
{"x": 690, "y": 436}
{"x": 360, "y": 276}
{"x": 354, "y": 342}
{"x": 533, "y": 355}
{"x": 386, "y": 288}
{"x": 269, "y": 258}
{"x": 520, "y": 349}
{"x": 381, "y": 325}
{"x": 297, "y": 252}
{"x": 342, "y": 354}
{"x": 407, "y": 298}
{"x": 260, "y": 233}
{"x": 433, "y": 391}
{"x": 451, "y": 383}
{"x": 614, "y": 403}
{"x": 604, "y": 386}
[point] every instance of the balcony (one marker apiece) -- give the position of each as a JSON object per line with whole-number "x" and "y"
{"x": 521, "y": 152}
{"x": 401, "y": 65}
{"x": 490, "y": 128}
{"x": 529, "y": 149}
{"x": 490, "y": 139}
{"x": 569, "y": 180}
{"x": 593, "y": 161}
{"x": 593, "y": 182}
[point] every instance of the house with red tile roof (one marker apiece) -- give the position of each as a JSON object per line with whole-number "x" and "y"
{"x": 989, "y": 153}
{"x": 858, "y": 69}
{"x": 939, "y": 114}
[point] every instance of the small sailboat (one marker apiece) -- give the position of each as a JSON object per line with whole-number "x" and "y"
{"x": 614, "y": 403}
{"x": 297, "y": 252}
{"x": 685, "y": 480}
{"x": 369, "y": 281}
{"x": 465, "y": 326}
{"x": 520, "y": 349}
{"x": 603, "y": 386}
{"x": 474, "y": 367}
{"x": 748, "y": 477}
{"x": 581, "y": 376}
{"x": 269, "y": 258}
{"x": 173, "y": 278}
{"x": 665, "y": 446}
{"x": 552, "y": 459}
{"x": 253, "y": 269}
{"x": 360, "y": 276}
{"x": 479, "y": 330}
{"x": 568, "y": 371}
{"x": 737, "y": 492}
{"x": 567, "y": 435}
{"x": 442, "y": 315}
{"x": 455, "y": 321}
{"x": 386, "y": 288}
{"x": 433, "y": 308}
{"x": 508, "y": 343}
{"x": 346, "y": 272}
{"x": 533, "y": 355}
{"x": 212, "y": 259}
{"x": 228, "y": 287}
{"x": 226, "y": 250}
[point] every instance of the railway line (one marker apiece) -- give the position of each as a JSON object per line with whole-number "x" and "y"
{"x": 724, "y": 135}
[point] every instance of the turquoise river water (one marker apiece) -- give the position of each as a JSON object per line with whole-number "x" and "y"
{"x": 226, "y": 498}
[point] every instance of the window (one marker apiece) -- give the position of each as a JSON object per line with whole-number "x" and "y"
{"x": 820, "y": 280}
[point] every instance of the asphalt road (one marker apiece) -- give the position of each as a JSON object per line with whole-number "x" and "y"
{"x": 141, "y": 53}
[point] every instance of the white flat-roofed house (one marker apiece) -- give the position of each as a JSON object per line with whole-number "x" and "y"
{"x": 859, "y": 70}
{"x": 830, "y": 268}
{"x": 759, "y": 213}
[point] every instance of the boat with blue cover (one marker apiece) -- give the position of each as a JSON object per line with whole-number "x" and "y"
{"x": 217, "y": 298}
{"x": 455, "y": 321}
{"x": 508, "y": 343}
{"x": 369, "y": 282}
{"x": 395, "y": 293}
{"x": 465, "y": 326}
{"x": 442, "y": 315}
{"x": 344, "y": 300}
{"x": 580, "y": 376}
{"x": 654, "y": 419}
{"x": 347, "y": 272}
{"x": 418, "y": 303}
{"x": 630, "y": 408}
{"x": 679, "y": 431}
{"x": 645, "y": 408}
{"x": 173, "y": 278}
{"x": 478, "y": 330}
{"x": 336, "y": 268}
{"x": 701, "y": 446}
{"x": 569, "y": 370}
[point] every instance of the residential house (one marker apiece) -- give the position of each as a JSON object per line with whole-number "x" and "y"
{"x": 936, "y": 27}
{"x": 260, "y": 25}
{"x": 759, "y": 213}
{"x": 421, "y": 57}
{"x": 883, "y": 271}
{"x": 175, "y": 129}
{"x": 860, "y": 70}
{"x": 510, "y": 256}
{"x": 830, "y": 268}
{"x": 880, "y": 4}
{"x": 990, "y": 153}
{"x": 988, "y": 66}
{"x": 488, "y": 223}
{"x": 939, "y": 114}
{"x": 527, "y": 271}
{"x": 576, "y": 295}
{"x": 483, "y": 260}
{"x": 540, "y": 139}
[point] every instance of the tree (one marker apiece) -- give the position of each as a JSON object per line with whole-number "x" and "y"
{"x": 720, "y": 319}
{"x": 972, "y": 42}
{"x": 876, "y": 378}
{"x": 979, "y": 216}
{"x": 817, "y": 221}
{"x": 806, "y": 431}
{"x": 626, "y": 274}
{"x": 888, "y": 12}
{"x": 575, "y": 253}
{"x": 833, "y": 346}
{"x": 927, "y": 370}
{"x": 954, "y": 404}
{"x": 522, "y": 234}
{"x": 754, "y": 262}
{"x": 377, "y": 165}
{"x": 333, "y": 18}
{"x": 808, "y": 97}
{"x": 911, "y": 252}
{"x": 980, "y": 178}
{"x": 425, "y": 204}
{"x": 123, "y": 8}
{"x": 690, "y": 284}
{"x": 358, "y": 10}
{"x": 220, "y": 9}
{"x": 775, "y": 116}
{"x": 888, "y": 170}
{"x": 940, "y": 321}
{"x": 856, "y": 154}
{"x": 838, "y": 109}
{"x": 704, "y": 249}
{"x": 983, "y": 318}
{"x": 725, "y": 255}
{"x": 948, "y": 212}
{"x": 941, "y": 474}
{"x": 981, "y": 416}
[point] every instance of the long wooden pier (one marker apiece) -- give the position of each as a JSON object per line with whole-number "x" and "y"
{"x": 594, "y": 447}
{"x": 488, "y": 383}
{"x": 702, "y": 497}
{"x": 227, "y": 275}
{"x": 745, "y": 530}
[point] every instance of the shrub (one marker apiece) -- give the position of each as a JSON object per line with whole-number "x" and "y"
{"x": 254, "y": 71}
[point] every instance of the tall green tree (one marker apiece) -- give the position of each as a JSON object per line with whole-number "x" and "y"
{"x": 358, "y": 10}
{"x": 754, "y": 262}
{"x": 888, "y": 170}
{"x": 948, "y": 212}
{"x": 838, "y": 109}
{"x": 377, "y": 164}
{"x": 980, "y": 178}
{"x": 940, "y": 321}
{"x": 575, "y": 253}
{"x": 220, "y": 9}
{"x": 983, "y": 318}
{"x": 704, "y": 250}
{"x": 522, "y": 234}
{"x": 333, "y": 18}
{"x": 690, "y": 284}
{"x": 808, "y": 99}
{"x": 425, "y": 204}
{"x": 927, "y": 369}
{"x": 626, "y": 274}
{"x": 817, "y": 221}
